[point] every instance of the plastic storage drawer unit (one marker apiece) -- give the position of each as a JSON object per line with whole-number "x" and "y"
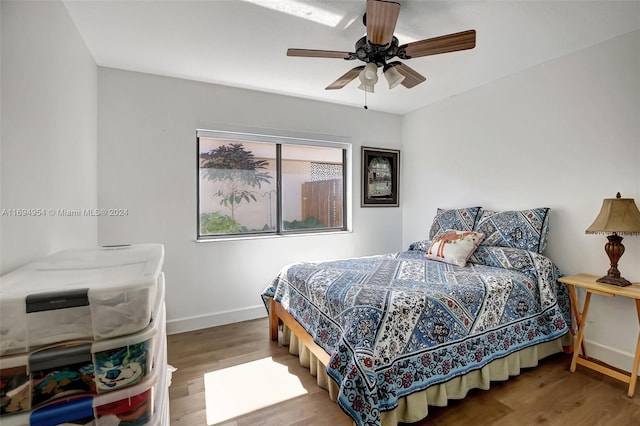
{"x": 136, "y": 405}
{"x": 48, "y": 375}
{"x": 96, "y": 294}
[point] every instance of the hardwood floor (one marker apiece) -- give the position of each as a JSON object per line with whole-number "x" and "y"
{"x": 546, "y": 395}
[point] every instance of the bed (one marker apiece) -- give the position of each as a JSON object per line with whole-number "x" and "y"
{"x": 389, "y": 335}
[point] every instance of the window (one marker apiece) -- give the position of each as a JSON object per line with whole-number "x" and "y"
{"x": 252, "y": 184}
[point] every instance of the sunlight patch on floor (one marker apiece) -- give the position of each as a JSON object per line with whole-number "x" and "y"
{"x": 244, "y": 388}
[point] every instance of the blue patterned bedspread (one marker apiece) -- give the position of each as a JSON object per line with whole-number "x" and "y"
{"x": 398, "y": 323}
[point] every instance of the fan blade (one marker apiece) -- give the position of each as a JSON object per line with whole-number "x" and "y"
{"x": 310, "y": 53}
{"x": 411, "y": 76}
{"x": 345, "y": 79}
{"x": 448, "y": 43}
{"x": 381, "y": 21}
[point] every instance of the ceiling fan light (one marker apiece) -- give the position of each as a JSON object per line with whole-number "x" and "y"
{"x": 367, "y": 81}
{"x": 369, "y": 88}
{"x": 393, "y": 77}
{"x": 371, "y": 71}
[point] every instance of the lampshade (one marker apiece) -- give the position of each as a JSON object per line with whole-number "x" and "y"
{"x": 617, "y": 215}
{"x": 367, "y": 83}
{"x": 393, "y": 77}
{"x": 366, "y": 87}
{"x": 371, "y": 71}
{"x": 367, "y": 71}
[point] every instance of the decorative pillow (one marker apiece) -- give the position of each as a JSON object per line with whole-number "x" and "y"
{"x": 420, "y": 245}
{"x": 459, "y": 219}
{"x": 523, "y": 229}
{"x": 454, "y": 247}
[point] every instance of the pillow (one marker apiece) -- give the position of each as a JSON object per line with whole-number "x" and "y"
{"x": 454, "y": 247}
{"x": 523, "y": 229}
{"x": 419, "y": 245}
{"x": 459, "y": 219}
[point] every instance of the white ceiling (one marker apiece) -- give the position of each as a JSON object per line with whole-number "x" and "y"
{"x": 243, "y": 43}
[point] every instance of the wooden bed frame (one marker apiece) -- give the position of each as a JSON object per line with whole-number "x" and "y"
{"x": 277, "y": 313}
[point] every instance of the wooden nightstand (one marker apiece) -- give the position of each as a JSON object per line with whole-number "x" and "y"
{"x": 588, "y": 282}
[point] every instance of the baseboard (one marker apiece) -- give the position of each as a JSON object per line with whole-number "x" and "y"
{"x": 613, "y": 357}
{"x": 219, "y": 318}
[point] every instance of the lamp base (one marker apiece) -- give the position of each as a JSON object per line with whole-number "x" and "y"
{"x": 620, "y": 282}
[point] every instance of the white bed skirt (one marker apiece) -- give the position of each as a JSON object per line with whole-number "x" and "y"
{"x": 415, "y": 407}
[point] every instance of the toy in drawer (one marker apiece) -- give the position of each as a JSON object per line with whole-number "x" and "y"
{"x": 130, "y": 406}
{"x": 95, "y": 294}
{"x": 49, "y": 375}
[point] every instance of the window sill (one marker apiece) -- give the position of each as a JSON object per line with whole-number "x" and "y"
{"x": 271, "y": 236}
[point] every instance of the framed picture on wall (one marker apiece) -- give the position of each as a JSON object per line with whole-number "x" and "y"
{"x": 380, "y": 172}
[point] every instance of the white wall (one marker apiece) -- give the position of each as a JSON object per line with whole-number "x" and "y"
{"x": 147, "y": 164}
{"x": 565, "y": 135}
{"x": 49, "y": 136}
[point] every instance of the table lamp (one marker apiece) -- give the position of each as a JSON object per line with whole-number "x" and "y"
{"x": 618, "y": 216}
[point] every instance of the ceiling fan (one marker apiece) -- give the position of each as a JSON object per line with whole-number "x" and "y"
{"x": 379, "y": 46}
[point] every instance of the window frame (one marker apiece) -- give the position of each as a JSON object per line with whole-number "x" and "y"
{"x": 278, "y": 140}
